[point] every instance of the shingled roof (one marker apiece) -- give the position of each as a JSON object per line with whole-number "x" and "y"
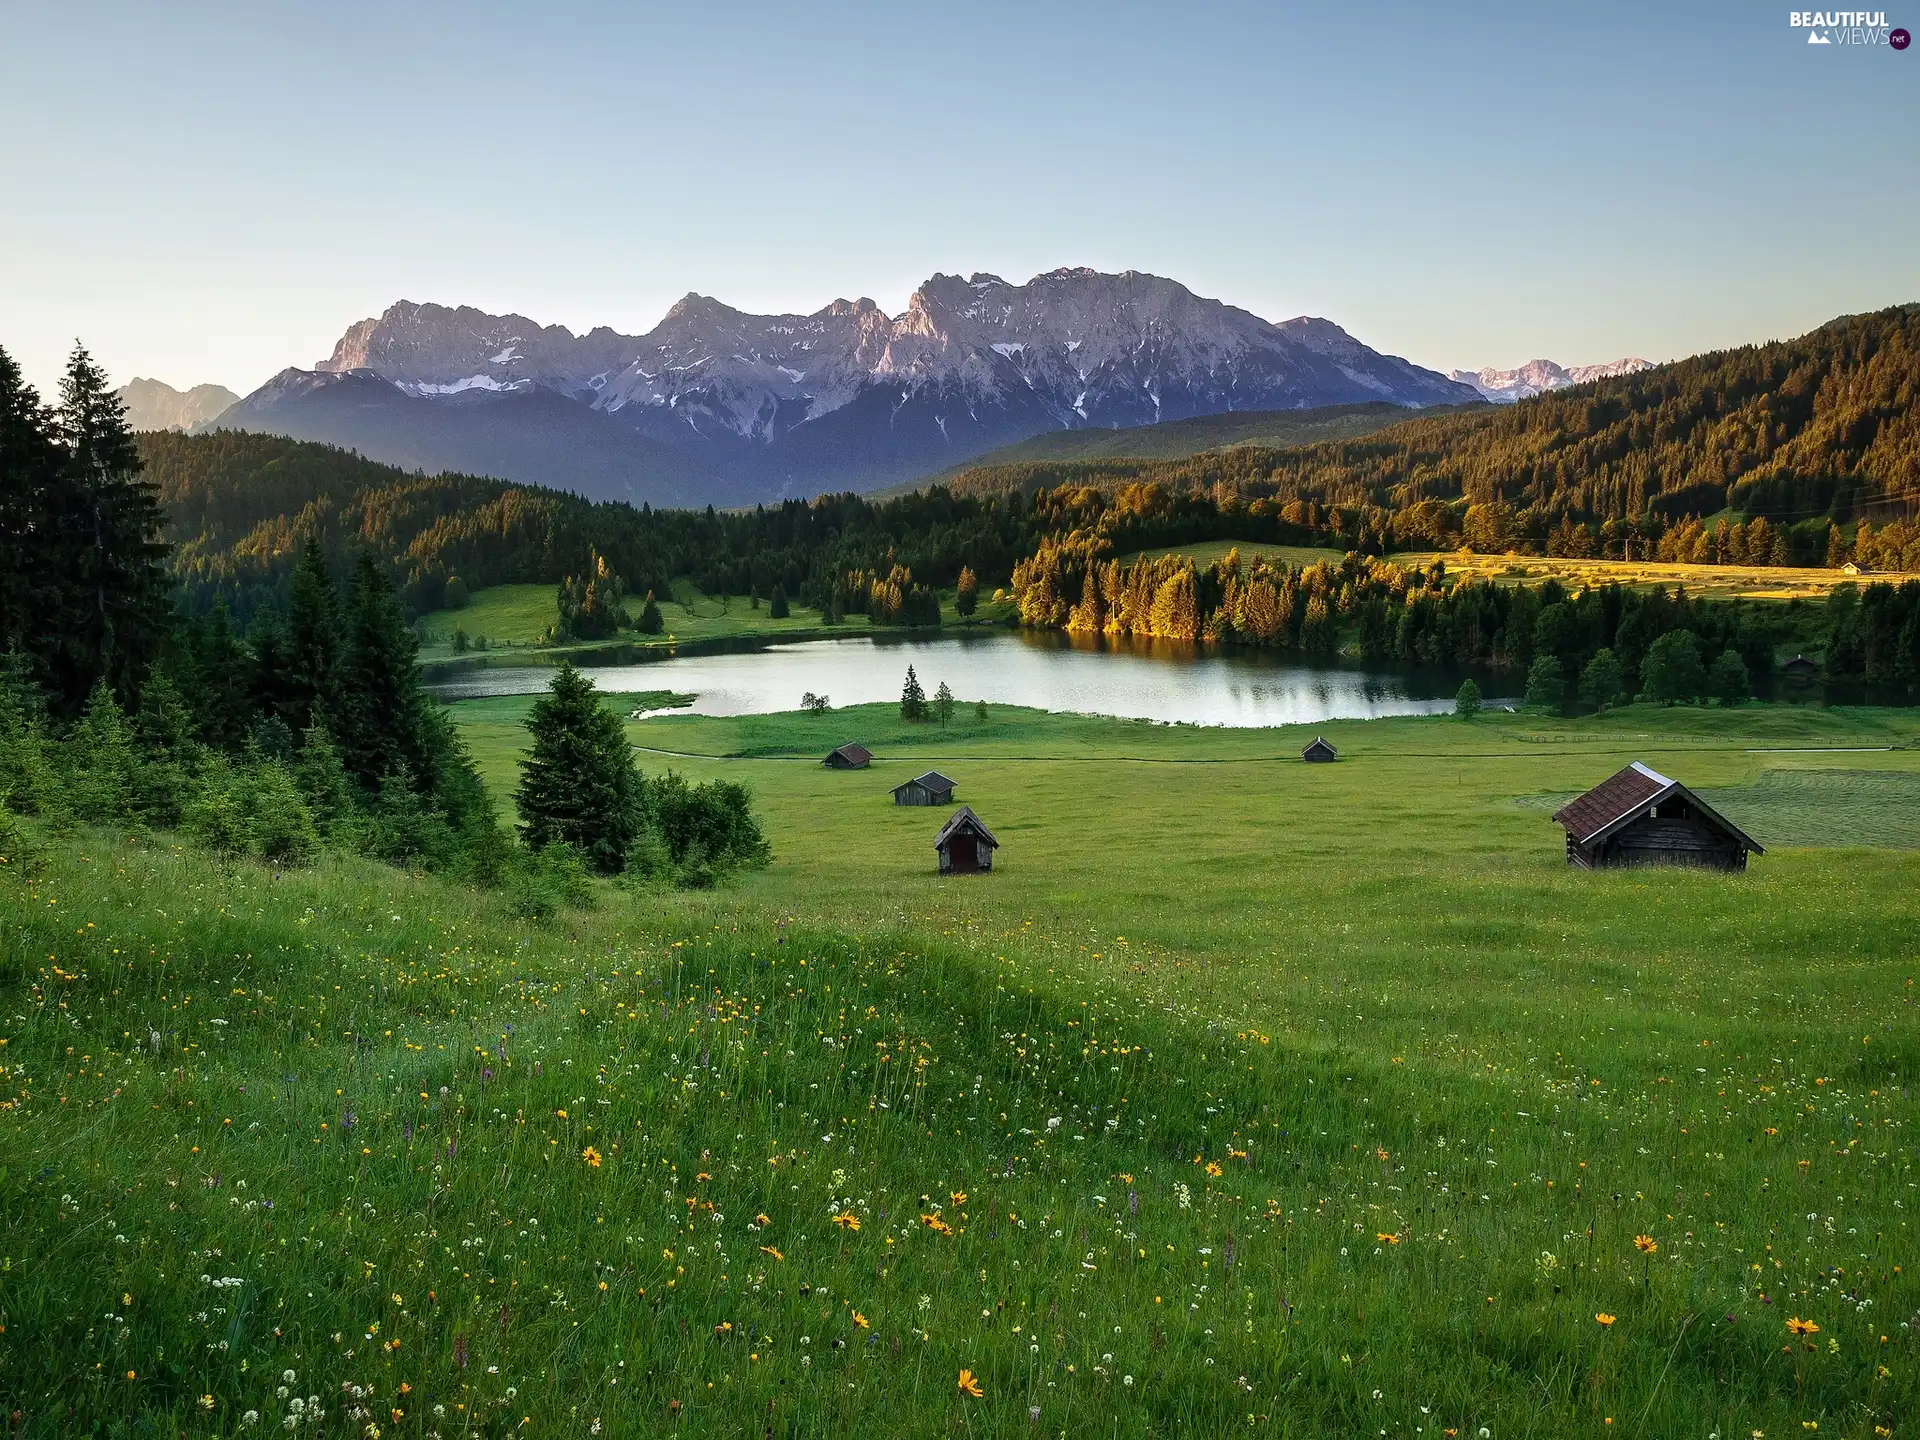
{"x": 964, "y": 819}
{"x": 1631, "y": 792}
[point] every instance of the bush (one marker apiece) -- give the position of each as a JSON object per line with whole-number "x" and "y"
{"x": 253, "y": 810}
{"x": 547, "y": 880}
{"x": 815, "y": 704}
{"x": 711, "y": 823}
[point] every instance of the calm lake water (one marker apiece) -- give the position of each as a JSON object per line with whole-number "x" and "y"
{"x": 1047, "y": 671}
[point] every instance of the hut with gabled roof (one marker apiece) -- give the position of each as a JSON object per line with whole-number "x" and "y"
{"x": 850, "y": 756}
{"x": 1319, "y": 752}
{"x": 1641, "y": 817}
{"x": 965, "y": 844}
{"x": 932, "y": 788}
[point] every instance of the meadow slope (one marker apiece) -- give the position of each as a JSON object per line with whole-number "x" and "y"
{"x": 1243, "y": 1093}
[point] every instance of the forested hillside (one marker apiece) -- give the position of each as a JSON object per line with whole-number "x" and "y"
{"x": 1827, "y": 425}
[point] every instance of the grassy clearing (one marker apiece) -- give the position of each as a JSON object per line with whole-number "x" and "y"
{"x": 514, "y": 618}
{"x": 1212, "y": 552}
{"x": 1324, "y": 1095}
{"x": 1753, "y": 582}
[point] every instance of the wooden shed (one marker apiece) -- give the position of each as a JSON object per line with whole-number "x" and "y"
{"x": 848, "y": 757}
{"x": 1640, "y": 817}
{"x": 1800, "y": 670}
{"x": 932, "y": 788}
{"x": 1319, "y": 752}
{"x": 965, "y": 844}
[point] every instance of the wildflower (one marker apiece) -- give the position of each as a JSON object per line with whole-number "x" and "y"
{"x": 1386, "y": 1239}
{"x": 591, "y": 1156}
{"x": 959, "y": 1197}
{"x": 969, "y": 1385}
{"x": 847, "y": 1222}
{"x": 1797, "y": 1326}
{"x": 1645, "y": 1244}
{"x": 723, "y": 1328}
{"x": 1605, "y": 1319}
{"x": 859, "y": 1320}
{"x": 769, "y": 1250}
{"x": 206, "y": 1402}
{"x": 761, "y": 1220}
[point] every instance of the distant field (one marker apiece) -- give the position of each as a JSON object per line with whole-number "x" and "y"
{"x": 1757, "y": 582}
{"x": 1212, "y": 552}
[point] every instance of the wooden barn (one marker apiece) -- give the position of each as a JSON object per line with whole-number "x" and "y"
{"x": 965, "y": 845}
{"x": 1800, "y": 670}
{"x": 932, "y": 788}
{"x": 1640, "y": 817}
{"x": 1319, "y": 752}
{"x": 848, "y": 757}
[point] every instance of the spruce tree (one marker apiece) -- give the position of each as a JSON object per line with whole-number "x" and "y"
{"x": 777, "y": 607}
{"x": 966, "y": 597}
{"x": 650, "y": 622}
{"x": 1466, "y": 700}
{"x": 943, "y": 704}
{"x": 913, "y": 699}
{"x": 579, "y": 785}
{"x": 219, "y": 694}
{"x": 107, "y": 611}
{"x": 378, "y": 695}
{"x": 308, "y": 677}
{"x": 29, "y": 466}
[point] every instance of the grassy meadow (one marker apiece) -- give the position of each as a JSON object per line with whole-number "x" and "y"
{"x": 1744, "y": 582}
{"x": 1212, "y": 552}
{"x": 1242, "y": 1094}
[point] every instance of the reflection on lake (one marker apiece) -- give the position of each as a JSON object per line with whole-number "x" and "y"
{"x": 1040, "y": 669}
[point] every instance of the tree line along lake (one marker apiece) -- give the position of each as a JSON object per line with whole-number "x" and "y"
{"x": 1045, "y": 670}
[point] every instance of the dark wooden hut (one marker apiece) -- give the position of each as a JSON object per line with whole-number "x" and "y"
{"x": 1640, "y": 817}
{"x": 1319, "y": 752}
{"x": 965, "y": 845}
{"x": 1801, "y": 670}
{"x": 932, "y": 788}
{"x": 848, "y": 757}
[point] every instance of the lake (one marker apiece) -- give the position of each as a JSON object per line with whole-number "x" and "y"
{"x": 1198, "y": 686}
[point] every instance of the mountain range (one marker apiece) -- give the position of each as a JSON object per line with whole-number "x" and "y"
{"x": 715, "y": 405}
{"x": 156, "y": 405}
{"x": 1536, "y": 377}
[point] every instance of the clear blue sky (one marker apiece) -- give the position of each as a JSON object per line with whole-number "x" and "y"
{"x": 213, "y": 192}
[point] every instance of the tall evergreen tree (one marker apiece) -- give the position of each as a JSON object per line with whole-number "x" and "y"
{"x": 578, "y": 783}
{"x": 913, "y": 698}
{"x": 377, "y": 693}
{"x": 222, "y": 705}
{"x": 29, "y": 467}
{"x": 309, "y": 679}
{"x": 116, "y": 610}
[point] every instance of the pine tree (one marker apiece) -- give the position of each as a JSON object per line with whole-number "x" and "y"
{"x": 221, "y": 683}
{"x": 323, "y": 781}
{"x": 28, "y": 785}
{"x": 913, "y": 699}
{"x": 1466, "y": 700}
{"x": 309, "y": 677}
{"x": 109, "y": 611}
{"x": 379, "y": 696}
{"x": 579, "y": 785}
{"x": 650, "y": 622}
{"x": 943, "y": 704}
{"x": 29, "y": 466}
{"x": 102, "y": 763}
{"x": 777, "y": 607}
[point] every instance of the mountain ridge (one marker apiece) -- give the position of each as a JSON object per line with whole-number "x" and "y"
{"x": 156, "y": 405}
{"x": 1537, "y": 377}
{"x": 846, "y": 397}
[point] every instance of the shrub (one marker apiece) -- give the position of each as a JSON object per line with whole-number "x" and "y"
{"x": 253, "y": 809}
{"x": 547, "y": 880}
{"x": 777, "y": 607}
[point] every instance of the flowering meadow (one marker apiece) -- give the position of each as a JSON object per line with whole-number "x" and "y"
{"x": 1306, "y": 1100}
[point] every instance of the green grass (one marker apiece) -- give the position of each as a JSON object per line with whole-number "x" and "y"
{"x": 515, "y": 618}
{"x": 1371, "y": 994}
{"x": 1212, "y": 552}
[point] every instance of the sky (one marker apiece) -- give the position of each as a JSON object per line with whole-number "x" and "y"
{"x": 213, "y": 192}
